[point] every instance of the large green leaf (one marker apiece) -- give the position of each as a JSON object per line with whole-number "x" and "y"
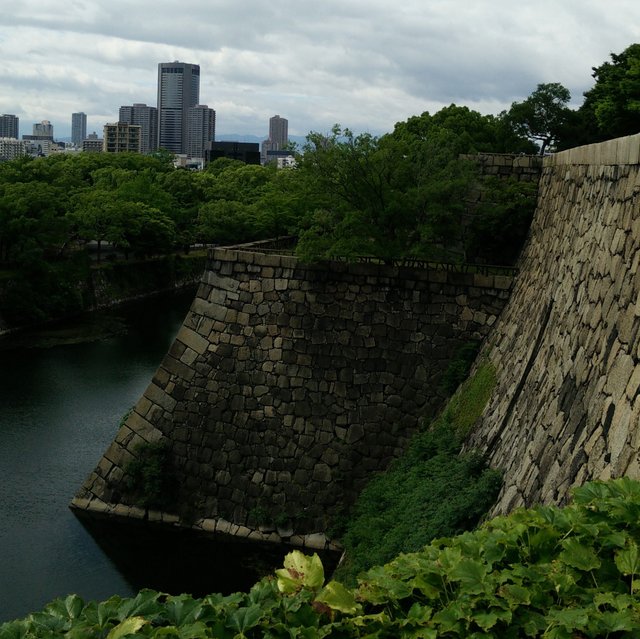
{"x": 579, "y": 555}
{"x": 486, "y": 620}
{"x": 243, "y": 619}
{"x": 182, "y": 609}
{"x": 144, "y": 603}
{"x": 127, "y": 627}
{"x": 471, "y": 575}
{"x": 14, "y": 629}
{"x": 569, "y": 618}
{"x": 515, "y": 595}
{"x": 68, "y": 608}
{"x": 618, "y": 621}
{"x": 337, "y": 597}
{"x": 300, "y": 571}
{"x": 628, "y": 559}
{"x": 377, "y": 586}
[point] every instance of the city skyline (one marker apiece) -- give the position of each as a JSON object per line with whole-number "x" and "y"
{"x": 363, "y": 65}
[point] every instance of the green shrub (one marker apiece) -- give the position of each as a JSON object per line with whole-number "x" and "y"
{"x": 459, "y": 367}
{"x": 150, "y": 479}
{"x": 432, "y": 491}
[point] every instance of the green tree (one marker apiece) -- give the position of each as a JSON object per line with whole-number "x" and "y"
{"x": 358, "y": 210}
{"x": 147, "y": 230}
{"x": 474, "y": 132}
{"x": 499, "y": 225}
{"x": 283, "y": 202}
{"x": 614, "y": 101}
{"x": 187, "y": 195}
{"x": 390, "y": 197}
{"x": 32, "y": 222}
{"x": 226, "y": 222}
{"x": 236, "y": 181}
{"x": 542, "y": 115}
{"x": 95, "y": 216}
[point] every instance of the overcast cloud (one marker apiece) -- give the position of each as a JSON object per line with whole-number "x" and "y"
{"x": 365, "y": 64}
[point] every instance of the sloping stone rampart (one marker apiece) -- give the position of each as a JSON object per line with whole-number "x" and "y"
{"x": 289, "y": 385}
{"x": 566, "y": 408}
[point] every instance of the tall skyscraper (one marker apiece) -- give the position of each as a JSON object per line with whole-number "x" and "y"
{"x": 201, "y": 130}
{"x": 147, "y": 118}
{"x": 78, "y": 128}
{"x": 278, "y": 132}
{"x": 278, "y": 138}
{"x": 9, "y": 125}
{"x": 178, "y": 91}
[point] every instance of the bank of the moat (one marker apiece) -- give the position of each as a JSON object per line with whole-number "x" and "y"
{"x": 75, "y": 286}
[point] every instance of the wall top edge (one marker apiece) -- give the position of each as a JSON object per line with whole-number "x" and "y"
{"x": 619, "y": 151}
{"x": 489, "y": 277}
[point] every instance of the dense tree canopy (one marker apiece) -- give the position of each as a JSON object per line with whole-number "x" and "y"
{"x": 403, "y": 194}
{"x": 614, "y": 101}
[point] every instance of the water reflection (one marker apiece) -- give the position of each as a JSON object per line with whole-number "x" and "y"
{"x": 176, "y": 560}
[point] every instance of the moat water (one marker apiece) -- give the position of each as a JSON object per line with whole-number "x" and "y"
{"x": 60, "y": 407}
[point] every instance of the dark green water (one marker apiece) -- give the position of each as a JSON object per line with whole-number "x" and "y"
{"x": 59, "y": 410}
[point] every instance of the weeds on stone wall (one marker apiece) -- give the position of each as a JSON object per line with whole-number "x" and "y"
{"x": 150, "y": 479}
{"x": 459, "y": 367}
{"x": 432, "y": 491}
{"x": 124, "y": 418}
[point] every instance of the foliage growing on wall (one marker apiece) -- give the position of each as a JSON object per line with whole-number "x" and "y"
{"x": 150, "y": 478}
{"x": 432, "y": 491}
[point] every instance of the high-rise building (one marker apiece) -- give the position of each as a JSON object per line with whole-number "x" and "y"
{"x": 278, "y": 138}
{"x": 178, "y": 91}
{"x": 9, "y": 126}
{"x": 147, "y": 118}
{"x": 43, "y": 130}
{"x": 78, "y": 128}
{"x": 278, "y": 132}
{"x": 120, "y": 137}
{"x": 201, "y": 130}
{"x": 11, "y": 148}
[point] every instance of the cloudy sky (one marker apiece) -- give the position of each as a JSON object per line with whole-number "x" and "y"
{"x": 365, "y": 64}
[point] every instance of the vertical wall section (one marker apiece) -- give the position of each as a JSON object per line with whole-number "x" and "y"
{"x": 567, "y": 347}
{"x": 289, "y": 386}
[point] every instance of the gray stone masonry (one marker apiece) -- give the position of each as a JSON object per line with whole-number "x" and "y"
{"x": 567, "y": 347}
{"x": 289, "y": 386}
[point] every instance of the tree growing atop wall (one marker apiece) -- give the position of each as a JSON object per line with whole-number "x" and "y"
{"x": 542, "y": 115}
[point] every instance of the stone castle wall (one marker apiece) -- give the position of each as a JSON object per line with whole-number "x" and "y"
{"x": 289, "y": 385}
{"x": 566, "y": 408}
{"x": 524, "y": 168}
